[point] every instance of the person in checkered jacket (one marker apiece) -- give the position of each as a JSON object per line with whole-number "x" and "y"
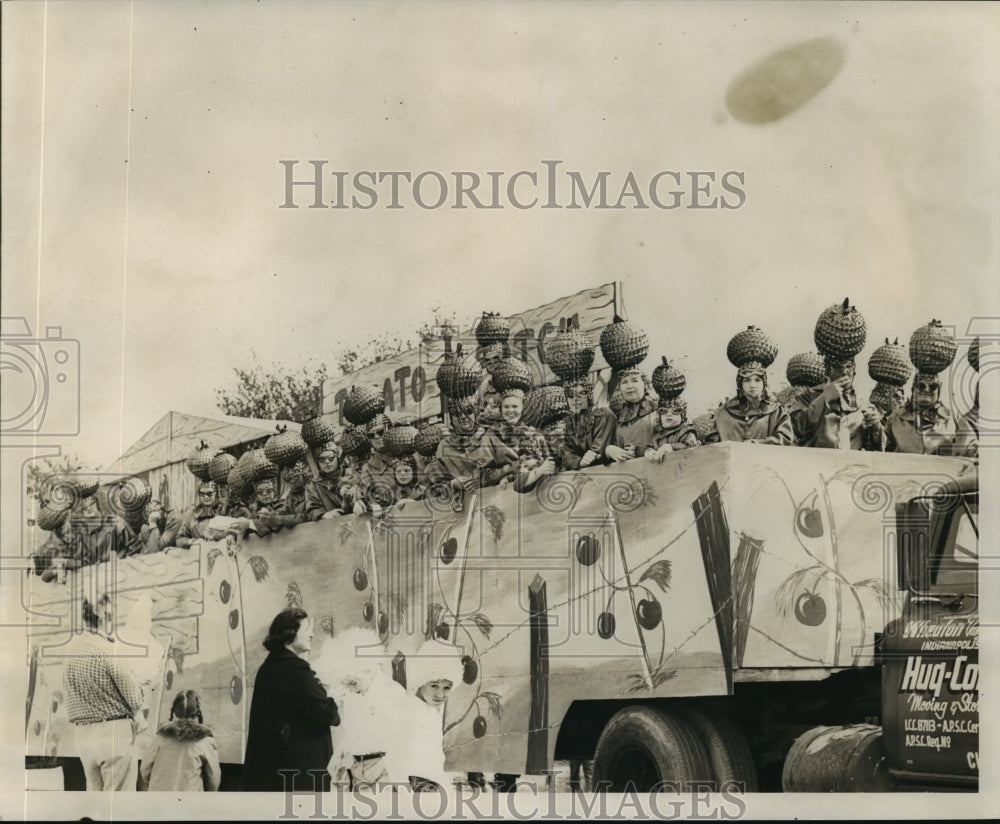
{"x": 103, "y": 702}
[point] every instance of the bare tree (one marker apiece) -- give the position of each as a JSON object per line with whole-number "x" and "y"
{"x": 276, "y": 392}
{"x": 280, "y": 392}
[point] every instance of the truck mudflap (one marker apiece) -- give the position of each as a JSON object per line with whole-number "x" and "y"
{"x": 930, "y": 692}
{"x": 631, "y": 582}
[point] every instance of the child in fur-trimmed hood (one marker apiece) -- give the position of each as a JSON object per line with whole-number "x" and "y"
{"x": 183, "y": 756}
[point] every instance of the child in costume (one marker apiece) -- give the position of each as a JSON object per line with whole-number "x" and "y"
{"x": 624, "y": 346}
{"x": 492, "y": 337}
{"x": 408, "y": 481}
{"x": 753, "y": 416}
{"x": 418, "y": 757}
{"x": 294, "y": 479}
{"x": 671, "y": 431}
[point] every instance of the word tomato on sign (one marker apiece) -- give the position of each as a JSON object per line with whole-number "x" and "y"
{"x": 407, "y": 379}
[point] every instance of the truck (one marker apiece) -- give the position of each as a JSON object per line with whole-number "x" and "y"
{"x": 685, "y": 621}
{"x": 928, "y": 735}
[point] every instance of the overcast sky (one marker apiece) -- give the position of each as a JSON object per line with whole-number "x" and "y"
{"x": 141, "y": 179}
{"x": 141, "y": 187}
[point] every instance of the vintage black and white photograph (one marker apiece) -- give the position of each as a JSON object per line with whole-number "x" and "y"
{"x": 499, "y": 409}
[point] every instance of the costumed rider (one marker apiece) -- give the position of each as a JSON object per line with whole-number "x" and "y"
{"x": 131, "y": 501}
{"x": 220, "y": 469}
{"x": 374, "y": 490}
{"x": 212, "y": 468}
{"x": 546, "y": 409}
{"x": 323, "y": 491}
{"x": 282, "y": 454}
{"x": 194, "y": 523}
{"x": 457, "y": 464}
{"x": 515, "y": 453}
{"x": 624, "y": 346}
{"x": 967, "y": 426}
{"x": 923, "y": 425}
{"x": 268, "y": 513}
{"x": 589, "y": 429}
{"x": 96, "y": 535}
{"x": 159, "y": 528}
{"x": 455, "y": 470}
{"x": 889, "y": 366}
{"x": 56, "y": 554}
{"x": 488, "y": 396}
{"x": 830, "y": 416}
{"x": 240, "y": 493}
{"x": 237, "y": 494}
{"x": 407, "y": 480}
{"x": 492, "y": 335}
{"x": 672, "y": 431}
{"x": 406, "y": 474}
{"x": 294, "y": 479}
{"x": 753, "y": 416}
{"x": 364, "y": 406}
{"x": 426, "y": 443}
{"x": 325, "y": 495}
{"x": 804, "y": 371}
{"x": 511, "y": 448}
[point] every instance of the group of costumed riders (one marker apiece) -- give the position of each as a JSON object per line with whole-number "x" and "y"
{"x": 504, "y": 431}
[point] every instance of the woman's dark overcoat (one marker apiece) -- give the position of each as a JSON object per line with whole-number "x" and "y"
{"x": 289, "y": 729}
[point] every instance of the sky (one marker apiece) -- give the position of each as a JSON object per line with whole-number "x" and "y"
{"x": 142, "y": 181}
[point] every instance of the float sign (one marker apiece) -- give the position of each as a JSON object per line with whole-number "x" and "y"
{"x": 407, "y": 379}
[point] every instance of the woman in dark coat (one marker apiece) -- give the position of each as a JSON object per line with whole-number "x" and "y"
{"x": 290, "y": 715}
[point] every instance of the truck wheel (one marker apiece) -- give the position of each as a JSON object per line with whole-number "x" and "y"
{"x": 728, "y": 750}
{"x": 641, "y": 749}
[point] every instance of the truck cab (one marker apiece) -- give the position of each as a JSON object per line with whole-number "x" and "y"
{"x": 930, "y": 654}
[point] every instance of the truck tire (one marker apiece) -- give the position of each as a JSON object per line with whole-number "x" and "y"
{"x": 727, "y": 748}
{"x": 645, "y": 749}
